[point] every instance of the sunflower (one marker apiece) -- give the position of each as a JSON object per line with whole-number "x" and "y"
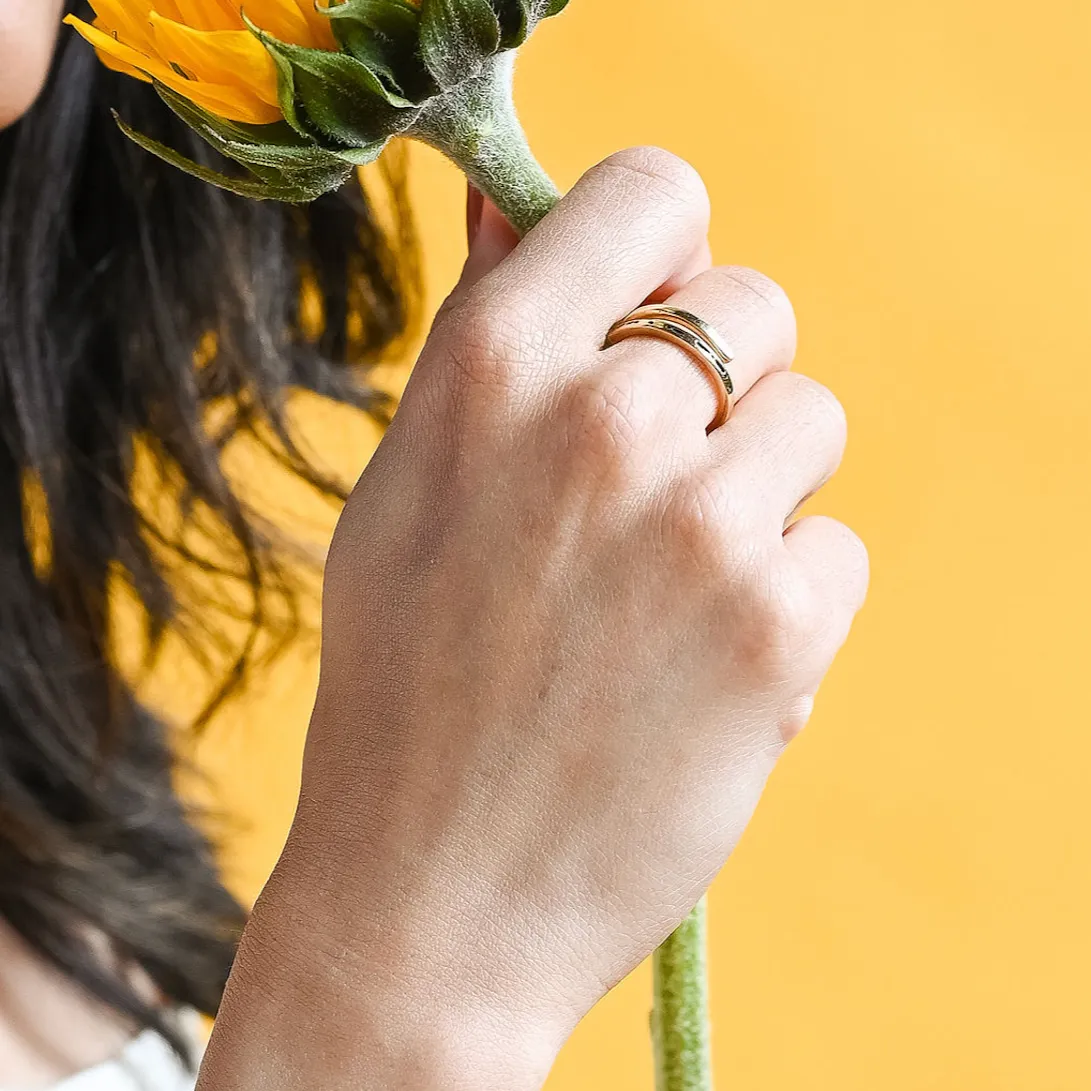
{"x": 203, "y": 49}
{"x": 299, "y": 92}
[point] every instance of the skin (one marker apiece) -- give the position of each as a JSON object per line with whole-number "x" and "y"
{"x": 566, "y": 637}
{"x": 28, "y": 29}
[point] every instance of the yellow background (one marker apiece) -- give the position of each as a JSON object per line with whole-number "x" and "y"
{"x": 909, "y": 908}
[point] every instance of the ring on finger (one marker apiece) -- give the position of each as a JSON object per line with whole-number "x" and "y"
{"x": 691, "y": 333}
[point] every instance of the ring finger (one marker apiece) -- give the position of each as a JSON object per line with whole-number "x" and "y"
{"x": 751, "y": 314}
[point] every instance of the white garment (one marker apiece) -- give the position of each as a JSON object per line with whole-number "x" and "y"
{"x": 147, "y": 1063}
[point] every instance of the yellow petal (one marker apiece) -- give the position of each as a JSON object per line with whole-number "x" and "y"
{"x": 281, "y": 18}
{"x": 227, "y": 102}
{"x": 209, "y": 14}
{"x": 169, "y": 8}
{"x": 125, "y": 19}
{"x": 233, "y": 58}
{"x": 320, "y": 24}
{"x": 121, "y": 66}
{"x": 111, "y": 45}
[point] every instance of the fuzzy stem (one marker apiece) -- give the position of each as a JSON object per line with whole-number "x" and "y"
{"x": 475, "y": 125}
{"x": 680, "y": 1023}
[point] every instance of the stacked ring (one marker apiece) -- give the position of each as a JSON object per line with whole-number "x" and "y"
{"x": 690, "y": 333}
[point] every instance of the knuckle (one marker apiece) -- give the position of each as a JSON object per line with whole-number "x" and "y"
{"x": 483, "y": 344}
{"x": 606, "y": 416}
{"x": 660, "y": 174}
{"x": 766, "y": 305}
{"x": 474, "y": 322}
{"x": 704, "y": 523}
{"x": 688, "y": 519}
{"x": 765, "y": 290}
{"x": 819, "y": 407}
{"x": 778, "y": 618}
{"x": 855, "y": 547}
{"x": 803, "y": 407}
{"x": 849, "y": 556}
{"x": 769, "y": 609}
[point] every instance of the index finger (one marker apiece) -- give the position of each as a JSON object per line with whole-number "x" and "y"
{"x": 630, "y": 225}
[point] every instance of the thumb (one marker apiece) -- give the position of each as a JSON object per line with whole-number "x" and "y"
{"x": 490, "y": 236}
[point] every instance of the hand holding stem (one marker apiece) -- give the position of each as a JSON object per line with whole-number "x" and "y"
{"x": 566, "y": 637}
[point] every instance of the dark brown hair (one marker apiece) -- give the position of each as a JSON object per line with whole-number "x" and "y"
{"x": 115, "y": 270}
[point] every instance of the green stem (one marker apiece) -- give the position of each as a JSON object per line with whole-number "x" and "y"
{"x": 476, "y": 126}
{"x": 680, "y": 1023}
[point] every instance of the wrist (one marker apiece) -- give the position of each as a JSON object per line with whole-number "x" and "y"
{"x": 313, "y": 1001}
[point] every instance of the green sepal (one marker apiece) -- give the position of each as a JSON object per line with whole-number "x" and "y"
{"x": 299, "y": 190}
{"x": 383, "y": 34}
{"x": 457, "y": 37}
{"x": 514, "y": 23}
{"x": 333, "y": 95}
{"x": 392, "y": 18}
{"x": 518, "y": 18}
{"x": 370, "y": 50}
{"x": 274, "y": 153}
{"x": 213, "y": 127}
{"x": 360, "y": 157}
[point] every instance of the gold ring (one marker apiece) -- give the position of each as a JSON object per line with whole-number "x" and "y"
{"x": 688, "y": 332}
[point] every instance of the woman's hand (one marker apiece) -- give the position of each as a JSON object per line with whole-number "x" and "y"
{"x": 566, "y": 638}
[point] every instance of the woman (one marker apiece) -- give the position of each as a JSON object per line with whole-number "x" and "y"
{"x": 566, "y": 632}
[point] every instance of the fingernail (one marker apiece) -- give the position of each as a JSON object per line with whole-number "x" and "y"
{"x": 475, "y": 204}
{"x": 493, "y": 231}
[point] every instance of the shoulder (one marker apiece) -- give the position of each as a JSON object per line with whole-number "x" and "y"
{"x": 145, "y": 1063}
